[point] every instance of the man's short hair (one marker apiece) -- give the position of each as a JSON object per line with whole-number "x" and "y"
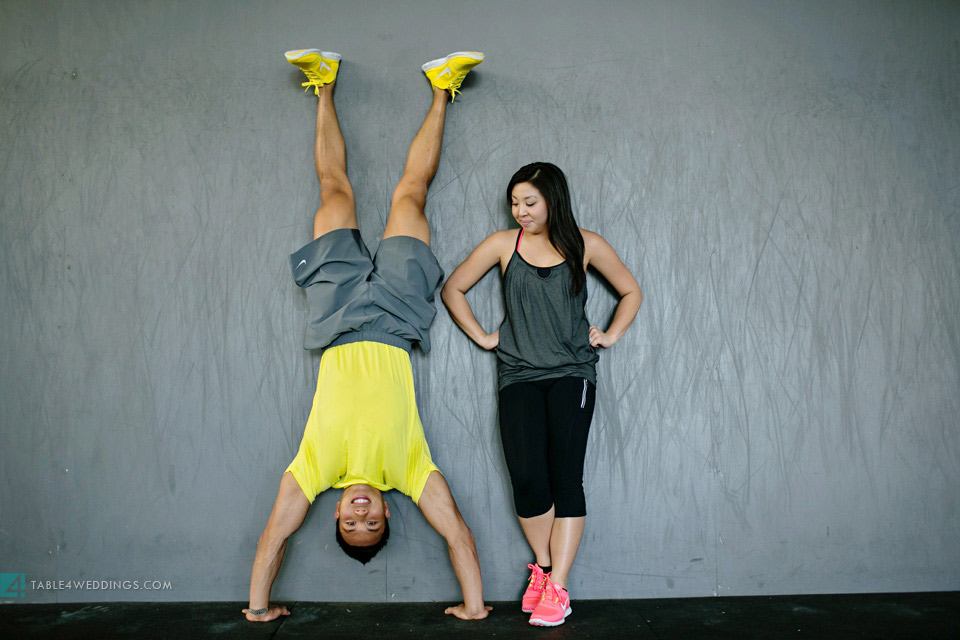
{"x": 363, "y": 554}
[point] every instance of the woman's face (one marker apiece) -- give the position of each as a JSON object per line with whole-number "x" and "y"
{"x": 528, "y": 207}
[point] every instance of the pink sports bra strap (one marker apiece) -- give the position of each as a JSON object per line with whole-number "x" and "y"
{"x": 519, "y": 237}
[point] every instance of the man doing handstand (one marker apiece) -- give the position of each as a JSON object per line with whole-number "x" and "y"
{"x": 364, "y": 433}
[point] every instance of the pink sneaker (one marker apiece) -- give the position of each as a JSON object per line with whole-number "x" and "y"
{"x": 554, "y": 606}
{"x": 534, "y": 592}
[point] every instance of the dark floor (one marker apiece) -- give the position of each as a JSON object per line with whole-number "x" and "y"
{"x": 914, "y": 616}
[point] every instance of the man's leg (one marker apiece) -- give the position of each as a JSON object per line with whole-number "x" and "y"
{"x": 336, "y": 212}
{"x": 410, "y": 197}
{"x": 330, "y": 153}
{"x": 289, "y": 511}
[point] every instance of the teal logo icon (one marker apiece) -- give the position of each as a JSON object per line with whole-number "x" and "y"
{"x": 13, "y": 585}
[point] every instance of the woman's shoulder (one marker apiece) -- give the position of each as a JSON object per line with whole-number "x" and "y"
{"x": 504, "y": 235}
{"x": 593, "y": 245}
{"x": 590, "y": 238}
{"x": 503, "y": 241}
{"x": 495, "y": 247}
{"x": 498, "y": 239}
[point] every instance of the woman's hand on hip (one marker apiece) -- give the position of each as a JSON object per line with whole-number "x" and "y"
{"x": 600, "y": 339}
{"x": 490, "y": 341}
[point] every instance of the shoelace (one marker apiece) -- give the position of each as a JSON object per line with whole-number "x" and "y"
{"x": 551, "y": 587}
{"x": 539, "y": 576}
{"x": 548, "y": 588}
{"x": 314, "y": 81}
{"x": 455, "y": 86}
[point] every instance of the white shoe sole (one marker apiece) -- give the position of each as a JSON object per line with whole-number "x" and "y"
{"x": 296, "y": 54}
{"x": 546, "y": 623}
{"x": 473, "y": 55}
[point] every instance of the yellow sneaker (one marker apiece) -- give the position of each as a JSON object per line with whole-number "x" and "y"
{"x": 320, "y": 67}
{"x": 447, "y": 73}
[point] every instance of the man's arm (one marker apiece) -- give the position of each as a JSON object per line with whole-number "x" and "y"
{"x": 289, "y": 511}
{"x": 436, "y": 503}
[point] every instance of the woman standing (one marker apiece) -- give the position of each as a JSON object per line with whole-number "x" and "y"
{"x": 546, "y": 366}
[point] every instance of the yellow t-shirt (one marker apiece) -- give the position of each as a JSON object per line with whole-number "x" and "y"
{"x": 364, "y": 427}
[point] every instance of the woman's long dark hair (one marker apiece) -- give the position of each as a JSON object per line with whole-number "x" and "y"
{"x": 562, "y": 229}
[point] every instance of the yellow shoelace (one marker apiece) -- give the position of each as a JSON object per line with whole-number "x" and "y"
{"x": 313, "y": 80}
{"x": 455, "y": 86}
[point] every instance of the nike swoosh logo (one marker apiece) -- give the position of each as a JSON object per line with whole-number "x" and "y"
{"x": 445, "y": 72}
{"x": 302, "y": 262}
{"x": 323, "y": 65}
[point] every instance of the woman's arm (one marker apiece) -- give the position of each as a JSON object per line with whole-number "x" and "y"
{"x": 601, "y": 256}
{"x": 487, "y": 254}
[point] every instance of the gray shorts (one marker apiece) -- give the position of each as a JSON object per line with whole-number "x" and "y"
{"x": 351, "y": 297}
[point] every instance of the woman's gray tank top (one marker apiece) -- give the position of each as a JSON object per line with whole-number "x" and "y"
{"x": 545, "y": 333}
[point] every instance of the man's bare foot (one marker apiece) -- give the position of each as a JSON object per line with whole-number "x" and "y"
{"x": 274, "y": 612}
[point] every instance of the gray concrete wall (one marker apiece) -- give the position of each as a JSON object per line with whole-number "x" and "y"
{"x": 781, "y": 176}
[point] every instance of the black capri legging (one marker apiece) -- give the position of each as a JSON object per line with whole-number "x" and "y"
{"x": 544, "y": 426}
